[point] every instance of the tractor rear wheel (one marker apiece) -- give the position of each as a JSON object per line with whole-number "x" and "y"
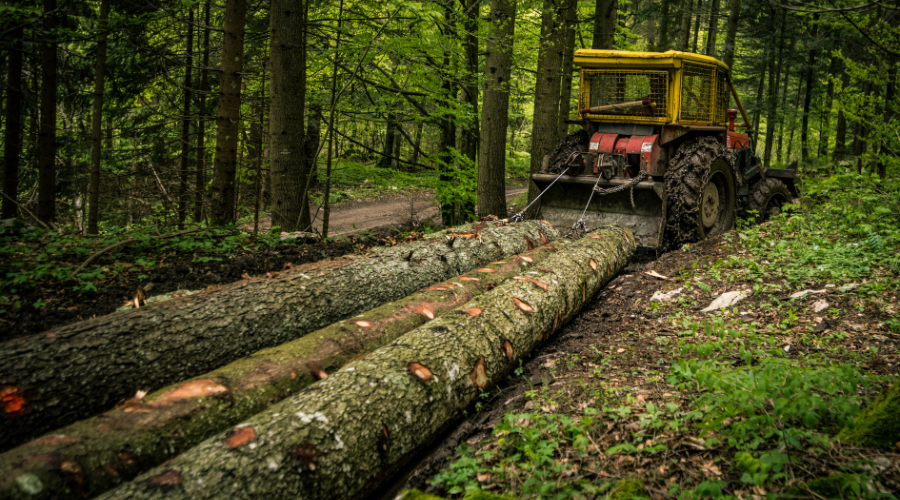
{"x": 767, "y": 198}
{"x": 700, "y": 192}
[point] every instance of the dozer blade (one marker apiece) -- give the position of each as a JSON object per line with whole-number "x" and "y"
{"x": 564, "y": 202}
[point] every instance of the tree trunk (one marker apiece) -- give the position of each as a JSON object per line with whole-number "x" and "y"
{"x": 417, "y": 141}
{"x": 157, "y": 427}
{"x": 350, "y": 431}
{"x": 731, "y": 33}
{"x": 890, "y": 111}
{"x": 97, "y": 120}
{"x": 326, "y": 204}
{"x": 782, "y": 114}
{"x": 684, "y": 31}
{"x": 46, "y": 210}
{"x": 12, "y": 148}
{"x": 606, "y": 14}
{"x": 840, "y": 132}
{"x": 833, "y": 69}
{"x": 387, "y": 149}
{"x": 790, "y": 145}
{"x": 759, "y": 95}
{"x": 201, "y": 126}
{"x": 170, "y": 341}
{"x": 469, "y": 129}
{"x": 811, "y": 72}
{"x": 697, "y": 24}
{"x": 663, "y": 41}
{"x": 229, "y": 113}
{"x": 774, "y": 80}
{"x": 565, "y": 98}
{"x": 713, "y": 31}
{"x": 447, "y": 164}
{"x": 546, "y": 88}
{"x": 495, "y": 110}
{"x": 186, "y": 121}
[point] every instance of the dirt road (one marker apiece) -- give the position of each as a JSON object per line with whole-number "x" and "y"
{"x": 352, "y": 217}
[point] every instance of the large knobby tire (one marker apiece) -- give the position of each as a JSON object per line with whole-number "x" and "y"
{"x": 767, "y": 198}
{"x": 700, "y": 192}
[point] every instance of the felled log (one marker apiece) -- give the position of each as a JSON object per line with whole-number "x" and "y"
{"x": 103, "y": 451}
{"x": 76, "y": 371}
{"x": 343, "y": 435}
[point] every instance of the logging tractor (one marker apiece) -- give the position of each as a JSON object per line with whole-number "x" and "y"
{"x": 658, "y": 152}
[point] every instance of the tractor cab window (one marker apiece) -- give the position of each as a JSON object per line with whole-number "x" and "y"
{"x": 640, "y": 93}
{"x": 698, "y": 87}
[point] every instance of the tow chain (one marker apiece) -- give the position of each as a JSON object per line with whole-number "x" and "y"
{"x": 579, "y": 224}
{"x": 622, "y": 187}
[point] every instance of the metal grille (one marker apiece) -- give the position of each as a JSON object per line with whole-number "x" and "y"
{"x": 721, "y": 98}
{"x": 698, "y": 86}
{"x": 616, "y": 87}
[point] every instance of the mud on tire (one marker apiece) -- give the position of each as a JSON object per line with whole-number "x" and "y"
{"x": 690, "y": 171}
{"x": 766, "y": 198}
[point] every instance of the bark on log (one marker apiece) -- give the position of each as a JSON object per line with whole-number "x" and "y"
{"x": 343, "y": 435}
{"x": 104, "y": 451}
{"x": 79, "y": 370}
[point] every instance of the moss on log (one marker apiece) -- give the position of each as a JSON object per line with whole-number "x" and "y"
{"x": 82, "y": 369}
{"x": 104, "y": 451}
{"x": 343, "y": 435}
{"x": 878, "y": 425}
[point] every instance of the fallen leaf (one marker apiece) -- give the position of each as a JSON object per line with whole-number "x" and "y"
{"x": 656, "y": 275}
{"x": 522, "y": 305}
{"x": 239, "y": 437}
{"x": 420, "y": 371}
{"x": 620, "y": 350}
{"x": 804, "y": 293}
{"x": 725, "y": 300}
{"x": 140, "y": 394}
{"x": 12, "y": 400}
{"x": 820, "y": 305}
{"x": 483, "y": 477}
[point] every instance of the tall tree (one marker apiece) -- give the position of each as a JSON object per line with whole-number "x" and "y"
{"x": 491, "y": 190}
{"x": 97, "y": 120}
{"x": 546, "y": 86}
{"x": 713, "y": 29}
{"x": 664, "y": 26}
{"x": 774, "y": 80}
{"x": 229, "y": 113}
{"x": 684, "y": 31}
{"x": 731, "y": 33}
{"x": 469, "y": 96}
{"x": 450, "y": 210}
{"x": 811, "y": 71}
{"x": 840, "y": 131}
{"x": 828, "y": 106}
{"x": 12, "y": 147}
{"x": 565, "y": 96}
{"x": 201, "y": 125}
{"x": 697, "y": 22}
{"x": 605, "y": 17}
{"x": 47, "y": 139}
{"x": 186, "y": 120}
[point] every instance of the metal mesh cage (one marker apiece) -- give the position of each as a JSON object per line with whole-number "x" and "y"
{"x": 615, "y": 87}
{"x": 721, "y": 98}
{"x": 698, "y": 86}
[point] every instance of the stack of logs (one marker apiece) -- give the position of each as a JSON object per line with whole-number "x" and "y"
{"x": 316, "y": 383}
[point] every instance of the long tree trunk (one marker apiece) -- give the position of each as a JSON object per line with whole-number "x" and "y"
{"x": 450, "y": 215}
{"x": 12, "y": 147}
{"x": 186, "y": 120}
{"x": 97, "y": 120}
{"x": 889, "y": 113}
{"x": 811, "y": 71}
{"x": 697, "y": 23}
{"x": 840, "y": 132}
{"x": 767, "y": 61}
{"x": 370, "y": 418}
{"x": 228, "y": 116}
{"x": 170, "y": 341}
{"x": 828, "y": 107}
{"x": 326, "y": 203}
{"x": 774, "y": 80}
{"x": 782, "y": 113}
{"x": 546, "y": 88}
{"x": 664, "y": 24}
{"x": 495, "y": 110}
{"x": 605, "y": 17}
{"x": 731, "y": 33}
{"x": 201, "y": 125}
{"x": 47, "y": 139}
{"x": 790, "y": 145}
{"x": 159, "y": 426}
{"x": 684, "y": 31}
{"x": 713, "y": 30}
{"x": 565, "y": 97}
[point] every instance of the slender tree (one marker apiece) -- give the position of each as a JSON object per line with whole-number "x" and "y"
{"x": 774, "y": 81}
{"x": 811, "y": 71}
{"x": 12, "y": 147}
{"x": 713, "y": 29}
{"x": 731, "y": 33}
{"x": 495, "y": 109}
{"x": 605, "y": 17}
{"x": 546, "y": 87}
{"x": 684, "y": 31}
{"x": 697, "y": 22}
{"x": 565, "y": 98}
{"x": 222, "y": 199}
{"x": 97, "y": 120}
{"x": 47, "y": 139}
{"x": 201, "y": 124}
{"x": 828, "y": 106}
{"x": 186, "y": 120}
{"x": 840, "y": 131}
{"x": 326, "y": 212}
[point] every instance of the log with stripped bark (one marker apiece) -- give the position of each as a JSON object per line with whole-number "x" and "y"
{"x": 104, "y": 451}
{"x": 76, "y": 371}
{"x": 343, "y": 435}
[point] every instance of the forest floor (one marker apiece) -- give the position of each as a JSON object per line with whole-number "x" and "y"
{"x": 39, "y": 294}
{"x": 741, "y": 402}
